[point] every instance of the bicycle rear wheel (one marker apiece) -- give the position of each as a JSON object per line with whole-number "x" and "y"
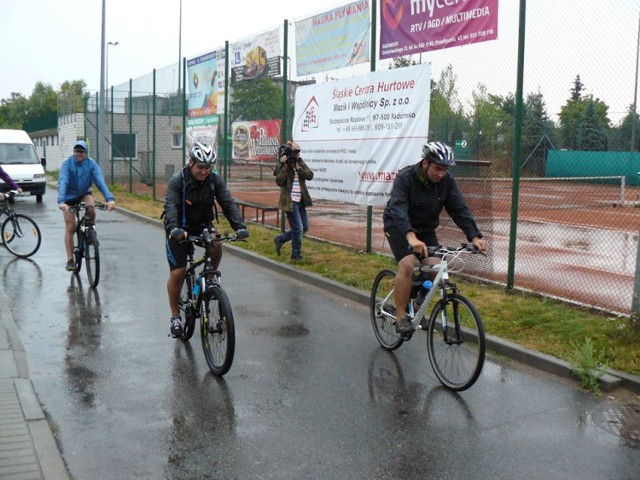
{"x": 456, "y": 342}
{"x": 217, "y": 331}
{"x": 21, "y": 235}
{"x": 383, "y": 310}
{"x": 185, "y": 303}
{"x": 92, "y": 257}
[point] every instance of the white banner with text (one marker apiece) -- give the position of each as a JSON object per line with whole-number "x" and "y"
{"x": 355, "y": 134}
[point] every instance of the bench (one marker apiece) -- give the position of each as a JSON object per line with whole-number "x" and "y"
{"x": 260, "y": 208}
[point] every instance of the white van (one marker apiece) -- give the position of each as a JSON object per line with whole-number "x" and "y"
{"x": 19, "y": 159}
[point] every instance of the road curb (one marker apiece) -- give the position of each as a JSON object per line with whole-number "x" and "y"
{"x": 611, "y": 380}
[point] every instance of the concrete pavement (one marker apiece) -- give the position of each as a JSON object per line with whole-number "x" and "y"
{"x": 28, "y": 449}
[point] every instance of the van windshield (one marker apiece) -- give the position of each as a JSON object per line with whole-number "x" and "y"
{"x": 17, "y": 154}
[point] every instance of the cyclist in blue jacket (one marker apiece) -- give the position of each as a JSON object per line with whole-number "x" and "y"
{"x": 419, "y": 194}
{"x": 77, "y": 174}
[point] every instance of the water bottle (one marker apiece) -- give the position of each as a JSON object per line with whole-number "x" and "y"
{"x": 196, "y": 287}
{"x": 426, "y": 286}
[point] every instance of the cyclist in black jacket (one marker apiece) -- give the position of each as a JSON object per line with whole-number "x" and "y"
{"x": 190, "y": 206}
{"x": 412, "y": 215}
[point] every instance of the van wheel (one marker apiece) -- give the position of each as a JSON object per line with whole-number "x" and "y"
{"x": 39, "y": 198}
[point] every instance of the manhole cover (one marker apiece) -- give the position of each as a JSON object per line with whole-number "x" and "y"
{"x": 622, "y": 420}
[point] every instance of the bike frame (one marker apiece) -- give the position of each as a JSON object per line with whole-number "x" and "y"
{"x": 202, "y": 277}
{"x": 439, "y": 284}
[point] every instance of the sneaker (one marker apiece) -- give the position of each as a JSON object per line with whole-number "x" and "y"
{"x": 71, "y": 266}
{"x": 177, "y": 327}
{"x": 278, "y": 243}
{"x": 404, "y": 326}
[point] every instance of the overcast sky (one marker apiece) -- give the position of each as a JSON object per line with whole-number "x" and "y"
{"x": 57, "y": 40}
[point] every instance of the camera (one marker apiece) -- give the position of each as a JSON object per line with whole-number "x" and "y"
{"x": 284, "y": 150}
{"x": 287, "y": 151}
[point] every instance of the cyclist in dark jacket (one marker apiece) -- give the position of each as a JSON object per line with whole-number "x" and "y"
{"x": 190, "y": 206}
{"x": 419, "y": 194}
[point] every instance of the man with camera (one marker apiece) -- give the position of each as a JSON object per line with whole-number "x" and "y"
{"x": 291, "y": 176}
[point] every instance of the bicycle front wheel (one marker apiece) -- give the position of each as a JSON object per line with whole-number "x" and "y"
{"x": 185, "y": 303}
{"x": 383, "y": 310}
{"x": 218, "y": 331}
{"x": 92, "y": 258}
{"x": 456, "y": 342}
{"x": 21, "y": 235}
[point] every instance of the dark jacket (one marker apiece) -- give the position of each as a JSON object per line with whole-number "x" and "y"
{"x": 416, "y": 205}
{"x": 189, "y": 204}
{"x": 284, "y": 179}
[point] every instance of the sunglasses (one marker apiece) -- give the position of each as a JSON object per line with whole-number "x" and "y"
{"x": 79, "y": 151}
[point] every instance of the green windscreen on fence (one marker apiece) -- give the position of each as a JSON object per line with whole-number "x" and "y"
{"x": 576, "y": 163}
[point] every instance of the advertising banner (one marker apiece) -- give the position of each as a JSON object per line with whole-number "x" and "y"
{"x": 356, "y": 133}
{"x": 256, "y": 141}
{"x": 205, "y": 83}
{"x": 333, "y": 39}
{"x": 203, "y": 130}
{"x": 256, "y": 58}
{"x": 410, "y": 26}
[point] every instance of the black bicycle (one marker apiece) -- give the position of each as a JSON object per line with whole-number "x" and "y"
{"x": 202, "y": 297}
{"x": 20, "y": 233}
{"x": 86, "y": 245}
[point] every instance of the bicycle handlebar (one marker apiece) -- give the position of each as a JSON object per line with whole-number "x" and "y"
{"x": 13, "y": 193}
{"x": 442, "y": 250}
{"x": 81, "y": 205}
{"x": 207, "y": 238}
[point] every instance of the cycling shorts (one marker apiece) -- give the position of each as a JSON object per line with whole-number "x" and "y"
{"x": 399, "y": 245}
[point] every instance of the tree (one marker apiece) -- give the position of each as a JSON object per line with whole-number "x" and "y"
{"x": 446, "y": 117}
{"x": 43, "y": 101}
{"x": 71, "y": 97}
{"x": 401, "y": 62}
{"x": 244, "y": 104}
{"x": 571, "y": 121}
{"x": 491, "y": 125}
{"x": 14, "y": 111}
{"x": 576, "y": 91}
{"x": 624, "y": 132}
{"x": 537, "y": 134}
{"x": 591, "y": 128}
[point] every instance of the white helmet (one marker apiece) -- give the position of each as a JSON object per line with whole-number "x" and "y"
{"x": 439, "y": 153}
{"x": 202, "y": 154}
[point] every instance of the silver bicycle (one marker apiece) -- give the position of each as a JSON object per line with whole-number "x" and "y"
{"x": 455, "y": 335}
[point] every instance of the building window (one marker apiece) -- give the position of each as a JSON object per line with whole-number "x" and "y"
{"x": 176, "y": 140}
{"x": 124, "y": 146}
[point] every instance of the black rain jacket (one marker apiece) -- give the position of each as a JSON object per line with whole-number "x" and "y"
{"x": 190, "y": 204}
{"x": 416, "y": 205}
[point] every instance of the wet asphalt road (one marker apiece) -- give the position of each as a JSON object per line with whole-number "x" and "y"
{"x": 310, "y": 393}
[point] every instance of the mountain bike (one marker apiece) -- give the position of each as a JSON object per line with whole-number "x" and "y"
{"x": 20, "y": 233}
{"x": 203, "y": 297}
{"x": 86, "y": 245}
{"x": 455, "y": 334}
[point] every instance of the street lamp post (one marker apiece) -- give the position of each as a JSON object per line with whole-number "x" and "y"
{"x": 107, "y": 71}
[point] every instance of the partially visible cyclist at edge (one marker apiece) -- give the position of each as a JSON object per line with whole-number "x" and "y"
{"x": 12, "y": 185}
{"x": 412, "y": 214}
{"x": 77, "y": 174}
{"x": 190, "y": 206}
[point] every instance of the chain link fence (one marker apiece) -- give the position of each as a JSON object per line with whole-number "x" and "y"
{"x": 564, "y": 225}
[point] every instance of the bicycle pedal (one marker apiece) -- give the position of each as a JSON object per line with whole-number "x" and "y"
{"x": 407, "y": 336}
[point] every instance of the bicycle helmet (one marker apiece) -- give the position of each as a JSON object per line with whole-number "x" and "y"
{"x": 202, "y": 154}
{"x": 438, "y": 152}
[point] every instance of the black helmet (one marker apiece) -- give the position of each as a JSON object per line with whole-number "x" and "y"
{"x": 439, "y": 153}
{"x": 202, "y": 154}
